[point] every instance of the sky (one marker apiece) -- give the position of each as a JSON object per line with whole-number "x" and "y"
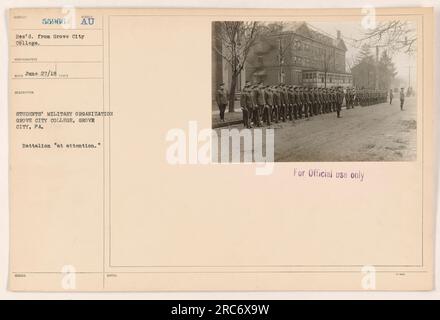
{"x": 353, "y": 30}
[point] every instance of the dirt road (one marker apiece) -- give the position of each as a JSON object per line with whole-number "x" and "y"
{"x": 379, "y": 132}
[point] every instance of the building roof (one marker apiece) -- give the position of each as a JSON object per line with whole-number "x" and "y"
{"x": 302, "y": 28}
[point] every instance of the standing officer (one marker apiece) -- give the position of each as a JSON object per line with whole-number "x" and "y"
{"x": 222, "y": 100}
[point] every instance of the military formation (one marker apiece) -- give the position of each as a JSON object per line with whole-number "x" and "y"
{"x": 264, "y": 104}
{"x": 367, "y": 97}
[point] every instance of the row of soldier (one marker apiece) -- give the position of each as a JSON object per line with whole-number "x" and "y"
{"x": 273, "y": 103}
{"x": 282, "y": 102}
{"x": 367, "y": 97}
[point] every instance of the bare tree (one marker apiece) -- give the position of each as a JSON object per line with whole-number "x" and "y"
{"x": 285, "y": 42}
{"x": 350, "y": 62}
{"x": 395, "y": 35}
{"x": 326, "y": 65}
{"x": 236, "y": 39}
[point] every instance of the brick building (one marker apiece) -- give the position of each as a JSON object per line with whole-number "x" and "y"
{"x": 294, "y": 53}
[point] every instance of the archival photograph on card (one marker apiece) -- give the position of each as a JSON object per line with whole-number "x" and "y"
{"x": 288, "y": 91}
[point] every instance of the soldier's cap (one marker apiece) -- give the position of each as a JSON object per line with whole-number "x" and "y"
{"x": 221, "y": 84}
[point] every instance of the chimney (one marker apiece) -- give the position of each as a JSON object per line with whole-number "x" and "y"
{"x": 338, "y": 34}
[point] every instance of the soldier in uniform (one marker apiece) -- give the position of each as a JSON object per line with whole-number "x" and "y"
{"x": 291, "y": 102}
{"x": 333, "y": 99}
{"x": 283, "y": 100}
{"x": 268, "y": 98}
{"x": 352, "y": 96}
{"x": 339, "y": 101}
{"x": 276, "y": 104}
{"x": 222, "y": 100}
{"x": 326, "y": 101}
{"x": 311, "y": 102}
{"x": 306, "y": 102}
{"x": 300, "y": 99}
{"x": 255, "y": 109}
{"x": 314, "y": 101}
{"x": 355, "y": 97}
{"x": 296, "y": 114}
{"x": 317, "y": 101}
{"x": 321, "y": 100}
{"x": 244, "y": 98}
{"x": 260, "y": 101}
{"x": 347, "y": 99}
{"x": 286, "y": 97}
